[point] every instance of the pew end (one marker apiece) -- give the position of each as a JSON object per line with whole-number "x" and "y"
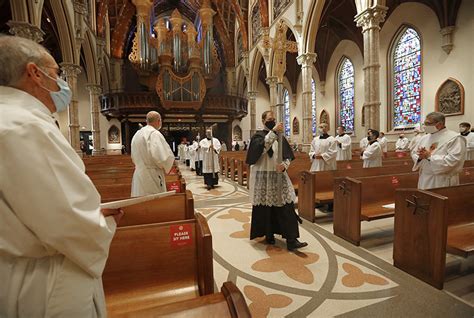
{"x": 347, "y": 207}
{"x": 420, "y": 234}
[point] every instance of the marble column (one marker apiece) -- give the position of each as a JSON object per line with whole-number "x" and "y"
{"x": 272, "y": 83}
{"x": 306, "y": 61}
{"x": 252, "y": 96}
{"x": 26, "y": 30}
{"x": 94, "y": 93}
{"x": 71, "y": 72}
{"x": 370, "y": 20}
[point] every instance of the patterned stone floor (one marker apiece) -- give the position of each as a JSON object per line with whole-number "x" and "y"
{"x": 328, "y": 278}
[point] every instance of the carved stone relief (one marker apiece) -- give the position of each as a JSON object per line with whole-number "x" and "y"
{"x": 450, "y": 98}
{"x": 114, "y": 135}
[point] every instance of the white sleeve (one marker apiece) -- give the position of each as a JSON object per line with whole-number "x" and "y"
{"x": 161, "y": 152}
{"x": 444, "y": 163}
{"x": 369, "y": 153}
{"x": 312, "y": 150}
{"x": 331, "y": 153}
{"x": 53, "y": 197}
{"x": 346, "y": 143}
{"x": 217, "y": 146}
{"x": 270, "y": 138}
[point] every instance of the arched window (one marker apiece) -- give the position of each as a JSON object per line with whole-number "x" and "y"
{"x": 313, "y": 106}
{"x": 286, "y": 111}
{"x": 406, "y": 79}
{"x": 346, "y": 93}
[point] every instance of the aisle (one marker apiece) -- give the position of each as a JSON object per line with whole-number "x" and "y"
{"x": 330, "y": 277}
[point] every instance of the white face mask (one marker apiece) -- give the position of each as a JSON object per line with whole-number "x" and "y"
{"x": 430, "y": 129}
{"x": 61, "y": 98}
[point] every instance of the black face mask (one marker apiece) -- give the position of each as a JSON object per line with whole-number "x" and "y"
{"x": 270, "y": 124}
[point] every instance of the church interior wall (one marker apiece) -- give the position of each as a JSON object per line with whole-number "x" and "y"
{"x": 297, "y": 111}
{"x": 437, "y": 66}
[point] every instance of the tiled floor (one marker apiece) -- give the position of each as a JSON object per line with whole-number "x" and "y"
{"x": 328, "y": 278}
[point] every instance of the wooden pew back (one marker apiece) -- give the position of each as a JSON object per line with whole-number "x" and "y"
{"x": 179, "y": 206}
{"x": 146, "y": 269}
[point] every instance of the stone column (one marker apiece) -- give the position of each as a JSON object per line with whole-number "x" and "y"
{"x": 306, "y": 61}
{"x": 231, "y": 82}
{"x": 94, "y": 91}
{"x": 71, "y": 72}
{"x": 272, "y": 82}
{"x": 252, "y": 96}
{"x": 370, "y": 20}
{"x": 26, "y": 30}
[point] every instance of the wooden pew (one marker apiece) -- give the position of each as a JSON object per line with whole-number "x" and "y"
{"x": 318, "y": 187}
{"x": 363, "y": 199}
{"x": 429, "y": 224}
{"x": 229, "y": 303}
{"x": 145, "y": 268}
{"x": 179, "y": 206}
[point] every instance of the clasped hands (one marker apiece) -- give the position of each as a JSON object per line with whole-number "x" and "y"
{"x": 423, "y": 153}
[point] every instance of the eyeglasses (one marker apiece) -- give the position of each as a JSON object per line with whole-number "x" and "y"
{"x": 59, "y": 72}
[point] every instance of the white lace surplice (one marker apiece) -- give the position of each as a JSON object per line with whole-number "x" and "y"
{"x": 267, "y": 186}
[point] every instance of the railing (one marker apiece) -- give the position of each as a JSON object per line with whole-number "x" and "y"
{"x": 123, "y": 104}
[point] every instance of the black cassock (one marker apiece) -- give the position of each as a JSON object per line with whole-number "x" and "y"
{"x": 273, "y": 210}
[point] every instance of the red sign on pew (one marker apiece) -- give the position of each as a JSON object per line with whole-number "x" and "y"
{"x": 348, "y": 166}
{"x": 467, "y": 173}
{"x": 173, "y": 170}
{"x": 181, "y": 235}
{"x": 401, "y": 154}
{"x": 175, "y": 185}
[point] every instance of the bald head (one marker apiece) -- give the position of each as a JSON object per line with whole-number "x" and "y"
{"x": 154, "y": 119}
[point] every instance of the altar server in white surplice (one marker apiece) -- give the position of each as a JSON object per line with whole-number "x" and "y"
{"x": 416, "y": 139}
{"x": 152, "y": 157}
{"x": 54, "y": 238}
{"x": 344, "y": 147}
{"x": 210, "y": 148}
{"x": 402, "y": 143}
{"x": 372, "y": 155}
{"x": 465, "y": 130}
{"x": 182, "y": 151}
{"x": 364, "y": 142}
{"x": 440, "y": 155}
{"x": 323, "y": 150}
{"x": 384, "y": 144}
{"x": 192, "y": 156}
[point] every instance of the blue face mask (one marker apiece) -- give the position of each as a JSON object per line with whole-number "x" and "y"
{"x": 61, "y": 98}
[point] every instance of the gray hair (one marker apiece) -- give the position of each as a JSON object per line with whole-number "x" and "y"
{"x": 152, "y": 117}
{"x": 437, "y": 117}
{"x": 15, "y": 54}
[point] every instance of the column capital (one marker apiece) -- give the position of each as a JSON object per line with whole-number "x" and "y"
{"x": 272, "y": 80}
{"x": 94, "y": 89}
{"x": 447, "y": 34}
{"x": 371, "y": 17}
{"x": 70, "y": 70}
{"x": 252, "y": 95}
{"x": 306, "y": 59}
{"x": 26, "y": 30}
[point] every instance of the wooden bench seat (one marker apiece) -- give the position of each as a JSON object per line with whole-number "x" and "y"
{"x": 138, "y": 274}
{"x": 461, "y": 240}
{"x": 376, "y": 211}
{"x": 229, "y": 303}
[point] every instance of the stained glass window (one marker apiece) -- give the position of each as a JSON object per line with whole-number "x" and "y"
{"x": 406, "y": 79}
{"x": 286, "y": 111}
{"x": 346, "y": 95}
{"x": 313, "y": 106}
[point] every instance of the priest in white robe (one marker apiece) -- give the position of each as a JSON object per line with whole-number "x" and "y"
{"x": 413, "y": 145}
{"x": 187, "y": 157}
{"x": 384, "y": 144}
{"x": 402, "y": 143}
{"x": 182, "y": 151}
{"x": 344, "y": 145}
{"x": 54, "y": 238}
{"x": 323, "y": 150}
{"x": 440, "y": 155}
{"x": 210, "y": 148}
{"x": 192, "y": 156}
{"x": 372, "y": 156}
{"x": 465, "y": 130}
{"x": 152, "y": 156}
